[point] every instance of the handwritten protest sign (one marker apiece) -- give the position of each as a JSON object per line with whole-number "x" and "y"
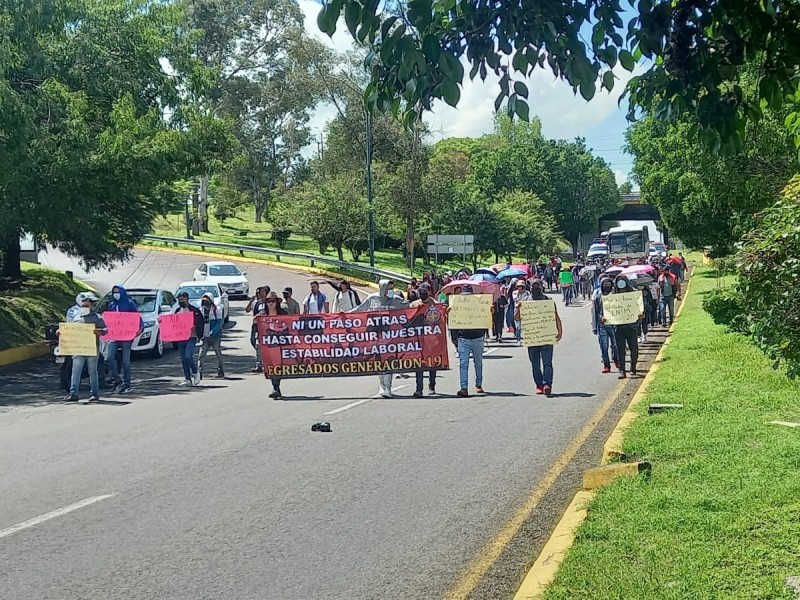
{"x": 122, "y": 326}
{"x": 473, "y": 311}
{"x": 77, "y": 339}
{"x": 176, "y": 327}
{"x": 621, "y": 309}
{"x": 538, "y": 320}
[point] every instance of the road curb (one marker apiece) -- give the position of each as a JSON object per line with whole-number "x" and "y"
{"x": 544, "y": 570}
{"x": 260, "y": 261}
{"x": 23, "y": 353}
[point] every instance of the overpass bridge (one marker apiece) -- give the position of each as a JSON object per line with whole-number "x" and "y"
{"x": 633, "y": 210}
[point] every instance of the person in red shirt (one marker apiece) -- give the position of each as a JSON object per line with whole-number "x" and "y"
{"x": 670, "y": 291}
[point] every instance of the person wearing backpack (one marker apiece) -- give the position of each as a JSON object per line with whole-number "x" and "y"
{"x": 345, "y": 299}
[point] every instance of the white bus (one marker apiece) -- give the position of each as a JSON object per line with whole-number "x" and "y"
{"x": 630, "y": 243}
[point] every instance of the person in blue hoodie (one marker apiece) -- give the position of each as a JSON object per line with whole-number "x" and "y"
{"x": 121, "y": 302}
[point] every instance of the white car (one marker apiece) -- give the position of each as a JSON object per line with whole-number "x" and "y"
{"x": 657, "y": 249}
{"x": 597, "y": 251}
{"x": 229, "y": 277}
{"x": 196, "y": 289}
{"x": 151, "y": 302}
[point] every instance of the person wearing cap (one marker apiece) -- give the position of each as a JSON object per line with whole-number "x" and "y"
{"x": 606, "y": 334}
{"x": 345, "y": 299}
{"x": 425, "y": 298}
{"x": 470, "y": 342}
{"x": 520, "y": 294}
{"x": 385, "y": 298}
{"x": 258, "y": 306}
{"x": 670, "y": 289}
{"x": 186, "y": 348}
{"x": 87, "y": 315}
{"x": 212, "y": 332}
{"x": 292, "y": 305}
{"x": 121, "y": 302}
{"x": 541, "y": 357}
{"x": 274, "y": 309}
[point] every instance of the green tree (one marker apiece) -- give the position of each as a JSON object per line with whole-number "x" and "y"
{"x": 692, "y": 51}
{"x": 626, "y": 187}
{"x": 88, "y": 119}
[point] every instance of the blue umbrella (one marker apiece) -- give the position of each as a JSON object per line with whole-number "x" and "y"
{"x": 484, "y": 277}
{"x": 511, "y": 273}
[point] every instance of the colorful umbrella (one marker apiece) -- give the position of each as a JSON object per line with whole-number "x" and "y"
{"x": 478, "y": 287}
{"x": 613, "y": 271}
{"x": 484, "y": 277}
{"x": 486, "y": 271}
{"x": 512, "y": 272}
{"x": 637, "y": 269}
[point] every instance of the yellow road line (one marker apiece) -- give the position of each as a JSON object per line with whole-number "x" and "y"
{"x": 489, "y": 554}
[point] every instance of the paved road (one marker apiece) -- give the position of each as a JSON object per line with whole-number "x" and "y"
{"x": 219, "y": 492}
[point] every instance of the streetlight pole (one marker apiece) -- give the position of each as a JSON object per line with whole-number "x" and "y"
{"x": 371, "y": 232}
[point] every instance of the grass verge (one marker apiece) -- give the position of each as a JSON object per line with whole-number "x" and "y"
{"x": 718, "y": 517}
{"x": 43, "y": 298}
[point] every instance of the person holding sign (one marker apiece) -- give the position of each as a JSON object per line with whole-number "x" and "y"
{"x": 470, "y": 342}
{"x": 605, "y": 333}
{"x": 424, "y": 293}
{"x": 541, "y": 355}
{"x": 187, "y": 346}
{"x": 88, "y": 356}
{"x": 627, "y": 333}
{"x": 121, "y": 302}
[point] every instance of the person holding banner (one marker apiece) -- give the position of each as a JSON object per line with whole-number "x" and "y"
{"x": 274, "y": 309}
{"x": 385, "y": 298}
{"x": 626, "y": 333}
{"x": 424, "y": 293}
{"x": 605, "y": 333}
{"x": 258, "y": 306}
{"x": 541, "y": 357}
{"x": 186, "y": 348}
{"x": 87, "y": 315}
{"x": 121, "y": 302}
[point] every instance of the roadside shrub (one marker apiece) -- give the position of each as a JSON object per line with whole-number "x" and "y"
{"x": 726, "y": 307}
{"x": 769, "y": 275}
{"x": 281, "y": 236}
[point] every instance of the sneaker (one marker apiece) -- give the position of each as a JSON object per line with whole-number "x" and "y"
{"x": 418, "y": 394}
{"x": 432, "y": 391}
{"x": 387, "y": 393}
{"x": 257, "y": 370}
{"x": 196, "y": 378}
{"x": 94, "y": 398}
{"x": 607, "y": 369}
{"x": 644, "y": 339}
{"x": 220, "y": 374}
{"x": 185, "y": 383}
{"x": 279, "y": 396}
{"x": 85, "y": 400}
{"x": 479, "y": 389}
{"x": 548, "y": 390}
{"x": 71, "y": 399}
{"x": 462, "y": 393}
{"x": 622, "y": 375}
{"x": 539, "y": 391}
{"x": 634, "y": 372}
{"x": 115, "y": 387}
{"x": 519, "y": 344}
{"x": 274, "y": 394}
{"x": 125, "y": 389}
{"x": 381, "y": 392}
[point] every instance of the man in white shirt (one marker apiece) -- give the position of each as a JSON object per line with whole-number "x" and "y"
{"x": 345, "y": 299}
{"x": 316, "y": 302}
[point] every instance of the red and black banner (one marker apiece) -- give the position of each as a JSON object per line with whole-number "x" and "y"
{"x": 352, "y": 344}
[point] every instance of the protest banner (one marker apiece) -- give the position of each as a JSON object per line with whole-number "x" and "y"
{"x": 122, "y": 326}
{"x": 77, "y": 339}
{"x": 538, "y": 320}
{"x": 352, "y": 344}
{"x": 176, "y": 327}
{"x": 471, "y": 311}
{"x": 622, "y": 309}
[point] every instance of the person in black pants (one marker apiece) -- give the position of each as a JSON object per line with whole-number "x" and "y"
{"x": 627, "y": 333}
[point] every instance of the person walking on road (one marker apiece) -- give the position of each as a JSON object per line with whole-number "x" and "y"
{"x": 541, "y": 357}
{"x": 424, "y": 292}
{"x": 258, "y": 306}
{"x": 670, "y": 290}
{"x": 384, "y": 299}
{"x": 212, "y": 333}
{"x": 292, "y": 306}
{"x": 87, "y": 315}
{"x": 121, "y": 302}
{"x": 606, "y": 334}
{"x": 274, "y": 308}
{"x": 627, "y": 334}
{"x": 316, "y": 302}
{"x": 567, "y": 282}
{"x": 186, "y": 348}
{"x": 520, "y": 294}
{"x": 470, "y": 343}
{"x": 345, "y": 299}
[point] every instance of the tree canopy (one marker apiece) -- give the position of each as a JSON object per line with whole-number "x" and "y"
{"x": 688, "y": 51}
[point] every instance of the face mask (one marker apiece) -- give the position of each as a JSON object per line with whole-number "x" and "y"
{"x": 206, "y": 303}
{"x": 621, "y": 284}
{"x": 85, "y": 310}
{"x": 423, "y": 295}
{"x": 117, "y": 295}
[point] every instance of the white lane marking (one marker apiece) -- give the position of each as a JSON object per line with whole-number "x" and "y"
{"x": 52, "y": 515}
{"x": 360, "y": 402}
{"x": 491, "y": 350}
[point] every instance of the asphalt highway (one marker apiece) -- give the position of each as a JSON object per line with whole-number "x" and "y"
{"x": 218, "y": 492}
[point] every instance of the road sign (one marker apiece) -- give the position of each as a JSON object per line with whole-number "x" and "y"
{"x": 451, "y": 240}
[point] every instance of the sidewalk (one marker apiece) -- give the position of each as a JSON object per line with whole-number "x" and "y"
{"x": 718, "y": 517}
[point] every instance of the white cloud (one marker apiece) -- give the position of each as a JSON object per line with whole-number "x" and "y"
{"x": 620, "y": 176}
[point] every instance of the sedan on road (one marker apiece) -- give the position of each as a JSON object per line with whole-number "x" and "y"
{"x": 151, "y": 302}
{"x": 230, "y": 278}
{"x": 196, "y": 289}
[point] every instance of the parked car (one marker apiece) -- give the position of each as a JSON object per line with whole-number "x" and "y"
{"x": 229, "y": 277}
{"x": 657, "y": 249}
{"x": 196, "y": 289}
{"x": 597, "y": 251}
{"x": 151, "y": 302}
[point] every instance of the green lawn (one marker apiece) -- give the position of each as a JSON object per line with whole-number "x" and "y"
{"x": 259, "y": 234}
{"x": 43, "y": 298}
{"x": 720, "y": 515}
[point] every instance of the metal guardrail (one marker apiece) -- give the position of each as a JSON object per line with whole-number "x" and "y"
{"x": 277, "y": 253}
